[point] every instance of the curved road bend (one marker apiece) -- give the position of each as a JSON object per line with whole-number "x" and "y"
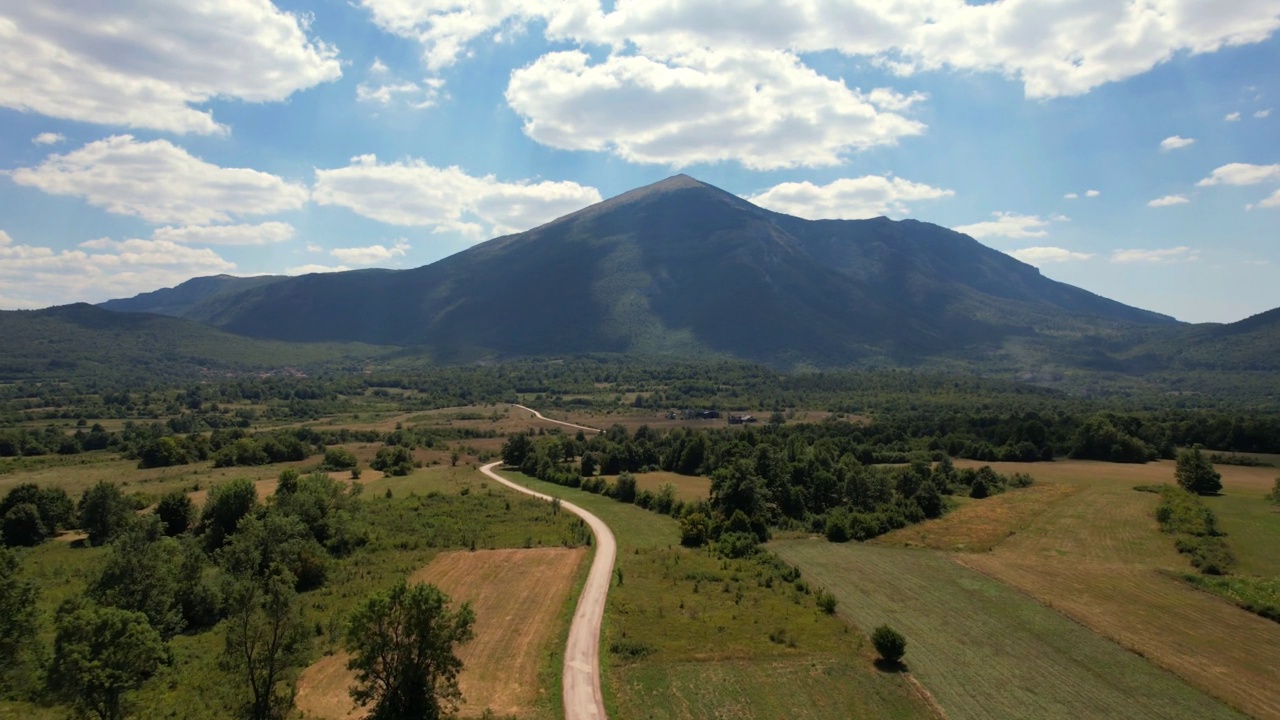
{"x": 540, "y": 416}
{"x": 581, "y": 675}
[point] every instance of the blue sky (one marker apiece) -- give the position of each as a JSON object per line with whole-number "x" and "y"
{"x": 1129, "y": 148}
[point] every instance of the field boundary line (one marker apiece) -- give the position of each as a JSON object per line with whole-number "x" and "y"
{"x": 583, "y": 699}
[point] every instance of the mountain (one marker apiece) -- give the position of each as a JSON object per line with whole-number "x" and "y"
{"x": 85, "y": 341}
{"x": 678, "y": 267}
{"x": 192, "y": 299}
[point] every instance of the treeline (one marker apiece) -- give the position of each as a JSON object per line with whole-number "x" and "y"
{"x": 791, "y": 478}
{"x": 162, "y": 445}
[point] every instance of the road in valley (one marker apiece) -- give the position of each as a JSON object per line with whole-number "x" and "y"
{"x": 581, "y": 675}
{"x": 540, "y": 416}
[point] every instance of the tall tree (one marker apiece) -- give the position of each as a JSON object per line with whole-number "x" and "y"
{"x": 265, "y": 636}
{"x": 402, "y": 648}
{"x": 104, "y": 511}
{"x": 100, "y": 654}
{"x": 18, "y": 618}
{"x": 1195, "y": 473}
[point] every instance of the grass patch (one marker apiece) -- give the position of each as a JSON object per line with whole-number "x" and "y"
{"x": 985, "y": 650}
{"x": 1260, "y": 596}
{"x": 691, "y": 635}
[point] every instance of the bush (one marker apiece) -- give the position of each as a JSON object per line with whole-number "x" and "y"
{"x": 176, "y": 512}
{"x": 624, "y": 490}
{"x": 1274, "y": 496}
{"x": 737, "y": 544}
{"x": 889, "y": 643}
{"x": 827, "y": 602}
{"x": 226, "y": 506}
{"x": 21, "y": 526}
{"x": 1195, "y": 473}
{"x": 694, "y": 530}
{"x": 339, "y": 459}
{"x": 104, "y": 512}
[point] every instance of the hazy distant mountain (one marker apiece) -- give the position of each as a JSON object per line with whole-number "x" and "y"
{"x": 678, "y": 267}
{"x": 89, "y": 342}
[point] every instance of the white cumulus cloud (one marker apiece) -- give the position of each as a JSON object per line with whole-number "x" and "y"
{"x": 151, "y": 63}
{"x": 1010, "y": 225}
{"x": 261, "y": 234}
{"x": 1263, "y": 114}
{"x": 1241, "y": 174}
{"x": 371, "y": 254}
{"x": 1232, "y": 117}
{"x": 763, "y": 109}
{"x": 1040, "y": 255}
{"x": 1161, "y": 255}
{"x": 97, "y": 270}
{"x": 1169, "y": 200}
{"x": 413, "y": 193}
{"x": 847, "y": 198}
{"x": 48, "y": 138}
{"x": 314, "y": 268}
{"x": 1175, "y": 142}
{"x": 1271, "y": 201}
{"x": 160, "y": 182}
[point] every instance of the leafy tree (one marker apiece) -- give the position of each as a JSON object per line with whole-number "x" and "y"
{"x": 21, "y": 526}
{"x": 57, "y": 511}
{"x": 695, "y": 530}
{"x": 930, "y": 500}
{"x": 141, "y": 573}
{"x": 19, "y": 620}
{"x": 326, "y": 507}
{"x": 402, "y": 648}
{"x": 339, "y": 459}
{"x": 176, "y": 512}
{"x": 100, "y": 654}
{"x": 227, "y": 505}
{"x": 516, "y": 449}
{"x": 737, "y": 487}
{"x": 889, "y": 643}
{"x": 265, "y": 636}
{"x": 275, "y": 540}
{"x": 1195, "y": 473}
{"x": 396, "y": 460}
{"x": 624, "y": 490}
{"x": 104, "y": 512}
{"x": 162, "y": 452}
{"x": 589, "y": 465}
{"x": 1274, "y": 496}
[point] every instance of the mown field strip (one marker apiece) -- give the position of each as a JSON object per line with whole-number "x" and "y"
{"x": 986, "y": 651}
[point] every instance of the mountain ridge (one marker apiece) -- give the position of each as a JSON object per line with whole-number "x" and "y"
{"x": 681, "y": 267}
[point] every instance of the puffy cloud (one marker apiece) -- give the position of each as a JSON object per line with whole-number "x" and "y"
{"x": 1091, "y": 193}
{"x": 420, "y": 96}
{"x": 371, "y": 254}
{"x": 147, "y": 63}
{"x": 97, "y": 270}
{"x": 1272, "y": 201}
{"x": 763, "y": 109}
{"x": 1010, "y": 225}
{"x": 1241, "y": 174}
{"x": 1040, "y": 255}
{"x": 1077, "y": 196}
{"x": 1232, "y": 117}
{"x": 1175, "y": 142}
{"x": 262, "y": 234}
{"x": 48, "y": 138}
{"x": 1263, "y": 114}
{"x": 1071, "y": 196}
{"x": 847, "y": 198}
{"x": 160, "y": 182}
{"x": 413, "y": 193}
{"x": 1168, "y": 200}
{"x": 1054, "y": 49}
{"x": 1164, "y": 255}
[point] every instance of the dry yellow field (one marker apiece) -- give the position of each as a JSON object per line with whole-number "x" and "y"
{"x": 517, "y": 596}
{"x": 1086, "y": 544}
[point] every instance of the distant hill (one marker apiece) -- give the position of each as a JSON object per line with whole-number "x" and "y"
{"x": 683, "y": 268}
{"x": 85, "y": 341}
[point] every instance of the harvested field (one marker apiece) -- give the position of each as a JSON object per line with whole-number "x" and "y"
{"x": 1097, "y": 555}
{"x": 980, "y": 525}
{"x": 517, "y": 596}
{"x": 985, "y": 650}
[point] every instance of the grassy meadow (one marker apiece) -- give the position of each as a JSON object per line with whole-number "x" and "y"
{"x": 690, "y": 635}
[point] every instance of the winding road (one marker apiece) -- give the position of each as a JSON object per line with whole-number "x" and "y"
{"x": 582, "y": 697}
{"x": 540, "y": 416}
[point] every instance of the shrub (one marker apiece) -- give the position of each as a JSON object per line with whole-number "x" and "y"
{"x": 339, "y": 459}
{"x": 1195, "y": 473}
{"x": 737, "y": 544}
{"x": 694, "y": 530}
{"x": 1274, "y": 496}
{"x": 889, "y": 643}
{"x": 624, "y": 490}
{"x": 104, "y": 511}
{"x": 827, "y": 602}
{"x": 175, "y": 511}
{"x": 21, "y": 526}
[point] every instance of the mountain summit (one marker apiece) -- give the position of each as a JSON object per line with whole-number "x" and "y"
{"x": 678, "y": 267}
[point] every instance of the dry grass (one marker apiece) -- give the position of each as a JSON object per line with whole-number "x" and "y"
{"x": 688, "y": 489}
{"x": 980, "y": 525}
{"x": 1096, "y": 554}
{"x": 517, "y": 596}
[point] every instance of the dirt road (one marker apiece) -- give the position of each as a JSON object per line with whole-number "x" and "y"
{"x": 582, "y": 697}
{"x": 540, "y": 416}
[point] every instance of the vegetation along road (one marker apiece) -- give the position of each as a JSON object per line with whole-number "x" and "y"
{"x": 540, "y": 416}
{"x": 582, "y": 697}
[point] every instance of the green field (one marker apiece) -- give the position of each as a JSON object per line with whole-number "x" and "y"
{"x": 702, "y": 628}
{"x": 985, "y": 650}
{"x": 1252, "y": 526}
